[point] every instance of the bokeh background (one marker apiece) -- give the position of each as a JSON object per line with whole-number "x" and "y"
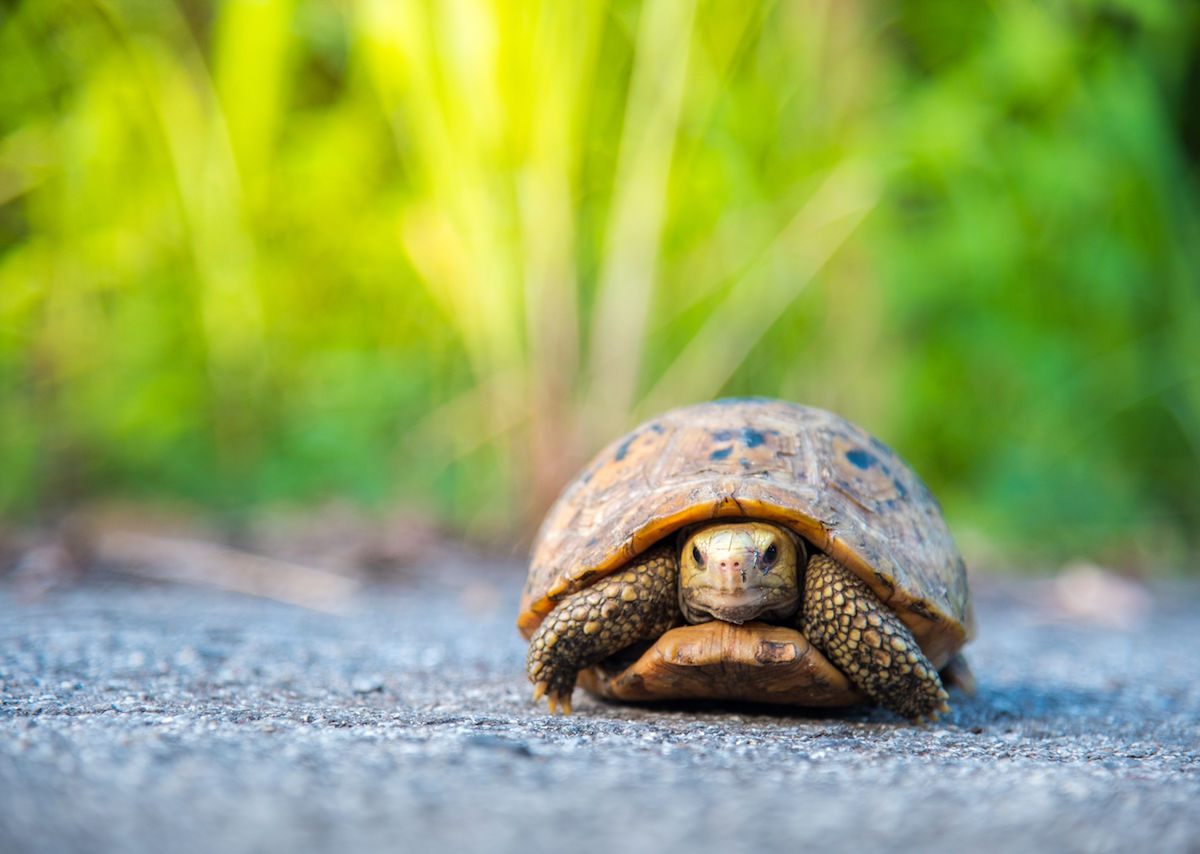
{"x": 426, "y": 257}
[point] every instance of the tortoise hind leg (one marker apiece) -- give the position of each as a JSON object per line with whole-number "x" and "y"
{"x": 867, "y": 642}
{"x": 638, "y": 602}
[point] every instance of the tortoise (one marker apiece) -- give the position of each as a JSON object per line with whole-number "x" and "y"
{"x": 748, "y": 549}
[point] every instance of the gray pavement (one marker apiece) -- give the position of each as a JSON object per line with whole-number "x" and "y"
{"x": 139, "y": 717}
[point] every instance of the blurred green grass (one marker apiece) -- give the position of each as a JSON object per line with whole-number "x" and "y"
{"x": 432, "y": 254}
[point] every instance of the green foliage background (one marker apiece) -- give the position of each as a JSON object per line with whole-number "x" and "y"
{"x": 436, "y": 253}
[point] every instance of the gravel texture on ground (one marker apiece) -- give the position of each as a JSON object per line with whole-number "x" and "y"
{"x": 137, "y": 717}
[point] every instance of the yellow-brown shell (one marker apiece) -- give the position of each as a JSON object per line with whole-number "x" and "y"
{"x": 833, "y": 483}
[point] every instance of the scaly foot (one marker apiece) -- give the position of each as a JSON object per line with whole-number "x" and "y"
{"x": 638, "y": 602}
{"x": 867, "y": 642}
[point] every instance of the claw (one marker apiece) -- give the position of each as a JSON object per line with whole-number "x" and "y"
{"x": 551, "y": 704}
{"x": 566, "y": 704}
{"x": 944, "y": 708}
{"x": 539, "y": 689}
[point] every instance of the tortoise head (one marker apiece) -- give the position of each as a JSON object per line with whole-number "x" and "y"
{"x": 739, "y": 571}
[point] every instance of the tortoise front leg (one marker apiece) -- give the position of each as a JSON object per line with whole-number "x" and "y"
{"x": 843, "y": 618}
{"x": 636, "y": 603}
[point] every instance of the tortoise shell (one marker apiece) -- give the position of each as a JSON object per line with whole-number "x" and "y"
{"x": 841, "y": 489}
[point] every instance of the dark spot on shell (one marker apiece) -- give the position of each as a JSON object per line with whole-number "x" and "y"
{"x": 900, "y": 490}
{"x": 656, "y": 427}
{"x": 861, "y": 458}
{"x": 634, "y": 681}
{"x": 882, "y": 448}
{"x": 722, "y": 435}
{"x": 920, "y": 607}
{"x": 745, "y": 463}
{"x": 752, "y": 438}
{"x": 623, "y": 449}
{"x": 773, "y": 652}
{"x": 721, "y": 453}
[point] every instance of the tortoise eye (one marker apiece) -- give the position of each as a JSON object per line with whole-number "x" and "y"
{"x": 696, "y": 556}
{"x": 770, "y": 555}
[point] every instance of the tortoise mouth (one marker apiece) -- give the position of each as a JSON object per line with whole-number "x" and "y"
{"x": 701, "y": 604}
{"x": 757, "y": 661}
